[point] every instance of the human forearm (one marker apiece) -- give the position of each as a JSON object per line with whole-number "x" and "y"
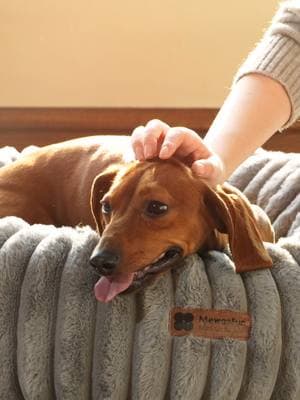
{"x": 255, "y": 109}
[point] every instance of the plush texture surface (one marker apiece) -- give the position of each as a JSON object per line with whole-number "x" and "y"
{"x": 57, "y": 342}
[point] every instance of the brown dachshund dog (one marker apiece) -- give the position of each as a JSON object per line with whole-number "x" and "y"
{"x": 150, "y": 215}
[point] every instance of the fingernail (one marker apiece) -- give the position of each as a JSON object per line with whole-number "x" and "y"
{"x": 139, "y": 154}
{"x": 199, "y": 169}
{"x": 148, "y": 151}
{"x": 164, "y": 151}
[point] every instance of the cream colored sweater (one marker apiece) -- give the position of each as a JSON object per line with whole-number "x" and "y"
{"x": 277, "y": 55}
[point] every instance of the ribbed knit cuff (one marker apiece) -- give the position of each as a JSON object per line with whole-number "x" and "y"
{"x": 277, "y": 57}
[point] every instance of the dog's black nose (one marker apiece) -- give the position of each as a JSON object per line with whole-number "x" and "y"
{"x": 105, "y": 261}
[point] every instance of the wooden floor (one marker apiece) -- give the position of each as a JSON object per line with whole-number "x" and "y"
{"x": 20, "y": 127}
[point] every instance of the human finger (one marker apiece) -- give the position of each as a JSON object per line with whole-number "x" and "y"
{"x": 137, "y": 142}
{"x": 154, "y": 133}
{"x": 184, "y": 142}
{"x": 211, "y": 169}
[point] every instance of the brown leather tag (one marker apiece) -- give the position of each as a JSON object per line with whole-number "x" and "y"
{"x": 212, "y": 324}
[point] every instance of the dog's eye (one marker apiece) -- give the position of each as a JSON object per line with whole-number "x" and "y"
{"x": 155, "y": 208}
{"x": 106, "y": 207}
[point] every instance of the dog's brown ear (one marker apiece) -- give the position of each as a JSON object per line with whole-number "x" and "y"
{"x": 230, "y": 213}
{"x": 100, "y": 186}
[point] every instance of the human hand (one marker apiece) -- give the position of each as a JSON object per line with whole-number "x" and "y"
{"x": 158, "y": 139}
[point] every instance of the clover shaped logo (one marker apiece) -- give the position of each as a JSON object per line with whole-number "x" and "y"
{"x": 183, "y": 321}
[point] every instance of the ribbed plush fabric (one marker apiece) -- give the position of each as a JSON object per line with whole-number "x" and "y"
{"x": 277, "y": 55}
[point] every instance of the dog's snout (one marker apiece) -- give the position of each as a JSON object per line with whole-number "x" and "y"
{"x": 105, "y": 261}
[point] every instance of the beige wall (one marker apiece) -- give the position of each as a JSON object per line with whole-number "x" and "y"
{"x": 125, "y": 53}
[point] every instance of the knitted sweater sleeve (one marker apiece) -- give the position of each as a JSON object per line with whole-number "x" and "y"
{"x": 277, "y": 55}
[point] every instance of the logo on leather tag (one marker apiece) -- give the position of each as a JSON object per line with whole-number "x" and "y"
{"x": 212, "y": 324}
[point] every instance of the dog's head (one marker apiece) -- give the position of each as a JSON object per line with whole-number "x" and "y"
{"x": 150, "y": 215}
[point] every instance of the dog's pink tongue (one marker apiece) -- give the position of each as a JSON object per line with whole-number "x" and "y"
{"x": 107, "y": 289}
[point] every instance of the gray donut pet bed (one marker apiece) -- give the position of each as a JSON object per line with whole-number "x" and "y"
{"x": 57, "y": 342}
